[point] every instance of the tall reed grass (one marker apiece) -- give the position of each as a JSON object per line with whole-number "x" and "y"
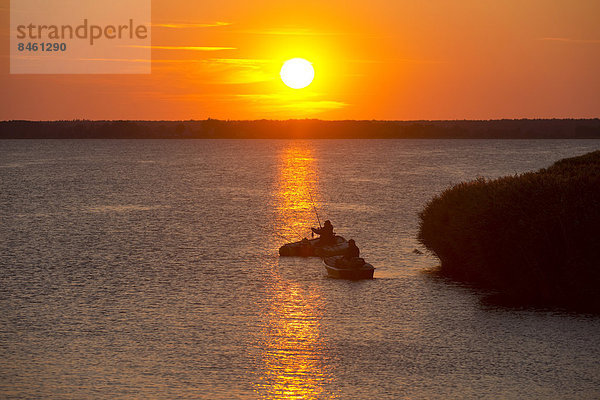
{"x": 534, "y": 237}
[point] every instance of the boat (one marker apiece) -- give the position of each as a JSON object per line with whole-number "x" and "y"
{"x": 340, "y": 268}
{"x": 312, "y": 248}
{"x": 337, "y": 249}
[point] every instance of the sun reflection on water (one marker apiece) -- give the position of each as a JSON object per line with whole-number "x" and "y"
{"x": 296, "y": 190}
{"x": 293, "y": 353}
{"x": 292, "y": 359}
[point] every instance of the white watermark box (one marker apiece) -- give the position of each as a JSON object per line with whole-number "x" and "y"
{"x": 80, "y": 36}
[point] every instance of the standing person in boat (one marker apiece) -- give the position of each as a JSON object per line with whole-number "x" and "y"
{"x": 326, "y": 233}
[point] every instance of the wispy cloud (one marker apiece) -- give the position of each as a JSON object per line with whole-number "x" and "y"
{"x": 220, "y": 71}
{"x": 314, "y": 105}
{"x": 569, "y": 40}
{"x": 278, "y": 103}
{"x": 133, "y": 60}
{"x": 286, "y": 31}
{"x": 236, "y": 70}
{"x": 296, "y": 31}
{"x": 397, "y": 61}
{"x": 273, "y": 106}
{"x": 238, "y": 62}
{"x": 185, "y": 25}
{"x": 213, "y": 97}
{"x": 192, "y": 48}
{"x": 224, "y": 62}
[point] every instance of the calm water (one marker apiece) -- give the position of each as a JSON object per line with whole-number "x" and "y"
{"x": 149, "y": 269}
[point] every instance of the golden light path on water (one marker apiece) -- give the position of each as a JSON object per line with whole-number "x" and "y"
{"x": 297, "y": 188}
{"x": 292, "y": 352}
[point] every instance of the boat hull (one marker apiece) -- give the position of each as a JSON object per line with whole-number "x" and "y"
{"x": 333, "y": 271}
{"x": 338, "y": 249}
{"x": 351, "y": 274}
{"x": 312, "y": 248}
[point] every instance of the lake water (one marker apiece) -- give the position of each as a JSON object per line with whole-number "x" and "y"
{"x": 149, "y": 269}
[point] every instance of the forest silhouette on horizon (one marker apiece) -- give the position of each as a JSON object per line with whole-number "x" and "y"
{"x": 303, "y": 129}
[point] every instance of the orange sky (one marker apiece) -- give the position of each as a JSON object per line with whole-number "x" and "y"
{"x": 376, "y": 59}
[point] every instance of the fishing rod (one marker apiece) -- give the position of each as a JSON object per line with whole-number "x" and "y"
{"x": 295, "y": 231}
{"x": 283, "y": 237}
{"x": 314, "y": 206}
{"x": 270, "y": 228}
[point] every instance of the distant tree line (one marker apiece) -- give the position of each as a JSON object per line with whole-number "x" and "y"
{"x": 303, "y": 129}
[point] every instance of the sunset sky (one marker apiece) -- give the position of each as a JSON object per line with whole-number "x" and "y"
{"x": 376, "y": 59}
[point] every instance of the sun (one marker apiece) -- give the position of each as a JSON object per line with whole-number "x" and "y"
{"x": 297, "y": 73}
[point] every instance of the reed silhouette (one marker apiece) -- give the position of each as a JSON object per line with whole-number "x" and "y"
{"x": 534, "y": 238}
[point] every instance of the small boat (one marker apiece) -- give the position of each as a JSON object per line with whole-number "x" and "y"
{"x": 312, "y": 248}
{"x": 337, "y": 249}
{"x": 341, "y": 268}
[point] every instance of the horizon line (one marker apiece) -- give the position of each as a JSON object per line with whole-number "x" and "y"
{"x": 305, "y": 119}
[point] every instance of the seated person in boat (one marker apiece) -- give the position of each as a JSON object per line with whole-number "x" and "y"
{"x": 326, "y": 233}
{"x": 353, "y": 251}
{"x": 351, "y": 258}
